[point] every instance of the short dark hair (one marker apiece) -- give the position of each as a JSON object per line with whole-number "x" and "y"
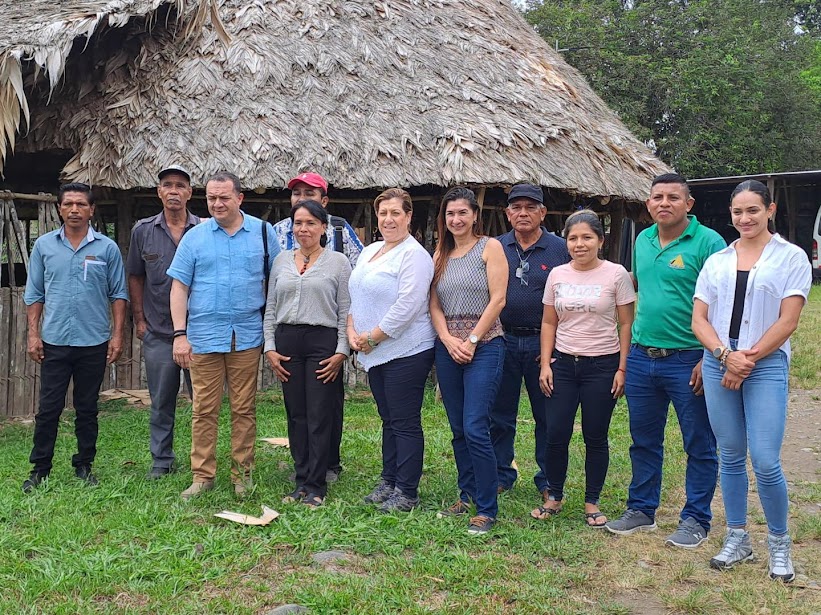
{"x": 225, "y": 176}
{"x": 586, "y": 216}
{"x": 314, "y": 208}
{"x": 672, "y": 178}
{"x": 75, "y": 187}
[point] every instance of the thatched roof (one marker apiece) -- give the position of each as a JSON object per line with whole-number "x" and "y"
{"x": 370, "y": 94}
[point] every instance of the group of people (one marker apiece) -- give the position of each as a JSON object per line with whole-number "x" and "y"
{"x": 710, "y": 334}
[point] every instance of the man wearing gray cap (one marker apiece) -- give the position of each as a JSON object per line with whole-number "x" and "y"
{"x": 531, "y": 253}
{"x": 154, "y": 242}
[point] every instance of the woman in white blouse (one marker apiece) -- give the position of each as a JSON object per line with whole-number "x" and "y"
{"x": 306, "y": 344}
{"x": 389, "y": 325}
{"x": 748, "y": 300}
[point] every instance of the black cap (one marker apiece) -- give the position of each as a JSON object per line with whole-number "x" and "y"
{"x": 174, "y": 168}
{"x": 527, "y": 191}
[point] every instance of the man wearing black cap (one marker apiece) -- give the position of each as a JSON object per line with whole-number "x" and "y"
{"x": 531, "y": 253}
{"x": 154, "y": 242}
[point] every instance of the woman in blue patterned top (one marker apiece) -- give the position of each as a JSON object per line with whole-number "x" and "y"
{"x": 468, "y": 294}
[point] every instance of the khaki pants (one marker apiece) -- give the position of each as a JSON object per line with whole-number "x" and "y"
{"x": 208, "y": 375}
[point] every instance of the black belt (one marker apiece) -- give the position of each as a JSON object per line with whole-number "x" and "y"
{"x": 657, "y": 353}
{"x": 523, "y": 331}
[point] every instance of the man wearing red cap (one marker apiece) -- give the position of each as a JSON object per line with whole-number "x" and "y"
{"x": 341, "y": 238}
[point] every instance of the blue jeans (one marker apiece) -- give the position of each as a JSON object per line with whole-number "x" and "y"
{"x": 398, "y": 387}
{"x": 753, "y": 417}
{"x": 521, "y": 354}
{"x": 468, "y": 392}
{"x": 585, "y": 381}
{"x": 650, "y": 386}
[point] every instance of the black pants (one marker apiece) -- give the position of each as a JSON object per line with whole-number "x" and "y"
{"x": 334, "y": 461}
{"x": 586, "y": 381}
{"x": 86, "y": 365}
{"x": 309, "y": 404}
{"x": 398, "y": 387}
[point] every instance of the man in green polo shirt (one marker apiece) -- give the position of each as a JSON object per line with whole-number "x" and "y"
{"x": 664, "y": 365}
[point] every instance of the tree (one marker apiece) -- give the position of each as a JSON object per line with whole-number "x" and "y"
{"x": 715, "y": 87}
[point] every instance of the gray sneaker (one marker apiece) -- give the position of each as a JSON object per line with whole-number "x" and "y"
{"x": 398, "y": 502}
{"x": 737, "y": 549}
{"x": 781, "y": 568}
{"x": 630, "y": 522}
{"x": 380, "y": 493}
{"x": 689, "y": 535}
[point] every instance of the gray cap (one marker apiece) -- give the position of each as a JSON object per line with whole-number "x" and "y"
{"x": 174, "y": 168}
{"x": 528, "y": 191}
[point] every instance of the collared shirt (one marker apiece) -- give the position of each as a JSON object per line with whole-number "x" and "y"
{"x": 151, "y": 251}
{"x": 76, "y": 286}
{"x": 782, "y": 271}
{"x": 351, "y": 246}
{"x": 523, "y": 307}
{"x": 225, "y": 277}
{"x": 666, "y": 281}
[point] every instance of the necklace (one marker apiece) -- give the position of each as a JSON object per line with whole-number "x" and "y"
{"x": 306, "y": 259}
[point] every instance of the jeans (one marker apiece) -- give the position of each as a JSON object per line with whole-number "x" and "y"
{"x": 310, "y": 404}
{"x": 468, "y": 392}
{"x": 754, "y": 417}
{"x": 86, "y": 366}
{"x": 163, "y": 376}
{"x": 521, "y": 354}
{"x": 398, "y": 387}
{"x": 650, "y": 386}
{"x": 587, "y": 381}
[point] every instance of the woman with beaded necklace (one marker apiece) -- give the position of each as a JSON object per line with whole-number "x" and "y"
{"x": 306, "y": 344}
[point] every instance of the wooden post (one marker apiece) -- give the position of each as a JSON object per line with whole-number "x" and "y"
{"x": 430, "y": 225}
{"x": 616, "y": 226}
{"x": 22, "y": 244}
{"x": 368, "y": 226}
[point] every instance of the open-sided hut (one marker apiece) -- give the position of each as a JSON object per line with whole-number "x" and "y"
{"x": 423, "y": 94}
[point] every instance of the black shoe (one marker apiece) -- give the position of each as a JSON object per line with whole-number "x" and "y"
{"x": 84, "y": 474}
{"x": 157, "y": 473}
{"x": 33, "y": 481}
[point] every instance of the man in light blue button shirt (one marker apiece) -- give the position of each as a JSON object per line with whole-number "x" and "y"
{"x": 217, "y": 297}
{"x": 76, "y": 276}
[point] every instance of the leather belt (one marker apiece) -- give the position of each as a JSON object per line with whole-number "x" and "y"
{"x": 657, "y": 353}
{"x": 523, "y": 331}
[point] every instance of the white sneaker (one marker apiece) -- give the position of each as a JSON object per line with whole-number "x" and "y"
{"x": 737, "y": 549}
{"x": 781, "y": 568}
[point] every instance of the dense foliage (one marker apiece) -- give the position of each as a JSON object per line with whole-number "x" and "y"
{"x": 716, "y": 87}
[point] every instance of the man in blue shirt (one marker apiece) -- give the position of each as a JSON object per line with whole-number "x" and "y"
{"x": 76, "y": 276}
{"x": 531, "y": 253}
{"x": 154, "y": 242}
{"x": 313, "y": 187}
{"x": 217, "y": 297}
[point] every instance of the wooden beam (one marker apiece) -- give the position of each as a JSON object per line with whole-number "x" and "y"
{"x": 18, "y": 231}
{"x": 7, "y": 195}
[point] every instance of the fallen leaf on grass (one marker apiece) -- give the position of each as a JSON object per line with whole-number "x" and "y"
{"x": 277, "y": 442}
{"x": 268, "y": 515}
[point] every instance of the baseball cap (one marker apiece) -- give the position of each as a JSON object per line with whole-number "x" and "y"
{"x": 528, "y": 191}
{"x": 174, "y": 168}
{"x": 312, "y": 179}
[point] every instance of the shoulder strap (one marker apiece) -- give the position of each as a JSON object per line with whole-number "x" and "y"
{"x": 266, "y": 270}
{"x": 338, "y": 225}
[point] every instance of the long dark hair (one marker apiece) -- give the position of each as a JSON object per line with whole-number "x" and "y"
{"x": 446, "y": 242}
{"x": 758, "y": 188}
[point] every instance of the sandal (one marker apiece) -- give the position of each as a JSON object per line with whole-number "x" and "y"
{"x": 297, "y": 495}
{"x": 594, "y": 516}
{"x": 312, "y": 500}
{"x": 544, "y": 512}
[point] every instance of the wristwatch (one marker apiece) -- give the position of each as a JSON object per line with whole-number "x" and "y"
{"x": 473, "y": 339}
{"x": 717, "y": 352}
{"x": 371, "y": 342}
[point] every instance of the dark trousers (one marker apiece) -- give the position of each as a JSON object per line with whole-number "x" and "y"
{"x": 651, "y": 384}
{"x": 86, "y": 365}
{"x": 309, "y": 404}
{"x": 468, "y": 392}
{"x": 398, "y": 387}
{"x": 521, "y": 362}
{"x": 163, "y": 376}
{"x": 586, "y": 381}
{"x": 334, "y": 459}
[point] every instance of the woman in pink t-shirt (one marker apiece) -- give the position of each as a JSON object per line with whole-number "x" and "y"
{"x": 583, "y": 359}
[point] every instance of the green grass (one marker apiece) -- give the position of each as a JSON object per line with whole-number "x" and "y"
{"x": 132, "y": 546}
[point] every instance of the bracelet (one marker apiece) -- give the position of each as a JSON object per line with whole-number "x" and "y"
{"x": 723, "y": 358}
{"x": 623, "y": 371}
{"x": 180, "y": 333}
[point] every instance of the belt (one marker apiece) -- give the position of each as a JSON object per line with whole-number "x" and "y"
{"x": 657, "y": 353}
{"x": 523, "y": 331}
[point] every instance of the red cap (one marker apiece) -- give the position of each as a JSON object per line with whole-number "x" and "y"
{"x": 312, "y": 179}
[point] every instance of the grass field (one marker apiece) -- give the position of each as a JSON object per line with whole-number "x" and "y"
{"x": 132, "y": 546}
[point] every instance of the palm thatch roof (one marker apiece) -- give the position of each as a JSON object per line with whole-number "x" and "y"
{"x": 370, "y": 94}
